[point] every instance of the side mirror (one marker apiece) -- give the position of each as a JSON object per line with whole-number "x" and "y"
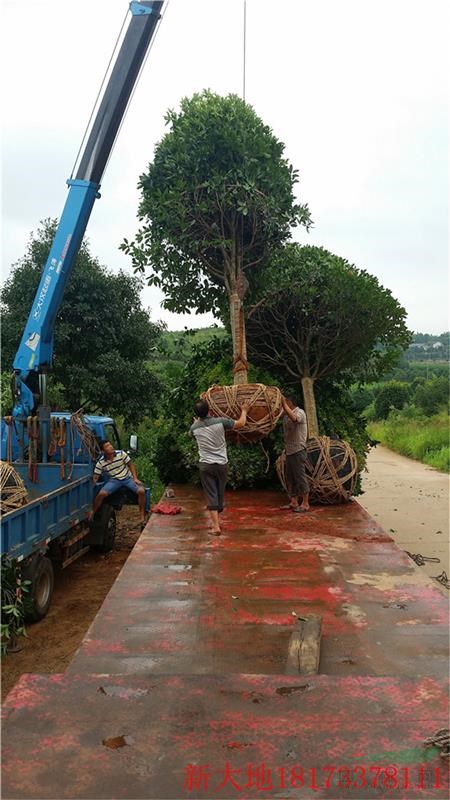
{"x": 133, "y": 443}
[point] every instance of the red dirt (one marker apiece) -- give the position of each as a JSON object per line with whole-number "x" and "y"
{"x": 79, "y": 592}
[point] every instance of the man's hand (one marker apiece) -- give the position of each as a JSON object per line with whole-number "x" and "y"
{"x": 239, "y": 423}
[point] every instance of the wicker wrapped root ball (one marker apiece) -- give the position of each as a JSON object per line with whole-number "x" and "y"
{"x": 13, "y": 493}
{"x": 264, "y": 412}
{"x": 331, "y": 467}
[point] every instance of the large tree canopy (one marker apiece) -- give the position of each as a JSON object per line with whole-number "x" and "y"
{"x": 103, "y": 336}
{"x": 319, "y": 316}
{"x": 217, "y": 198}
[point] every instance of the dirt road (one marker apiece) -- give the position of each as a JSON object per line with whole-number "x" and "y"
{"x": 411, "y": 502}
{"x": 79, "y": 592}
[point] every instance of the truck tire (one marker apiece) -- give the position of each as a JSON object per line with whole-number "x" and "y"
{"x": 105, "y": 522}
{"x": 40, "y": 591}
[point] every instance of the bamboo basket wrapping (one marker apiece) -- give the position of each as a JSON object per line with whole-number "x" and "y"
{"x": 331, "y": 468}
{"x": 264, "y": 412}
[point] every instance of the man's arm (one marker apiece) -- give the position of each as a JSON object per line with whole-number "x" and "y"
{"x": 97, "y": 472}
{"x": 132, "y": 469}
{"x": 289, "y": 411}
{"x": 239, "y": 423}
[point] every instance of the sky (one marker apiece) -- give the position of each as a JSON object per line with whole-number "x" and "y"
{"x": 357, "y": 91}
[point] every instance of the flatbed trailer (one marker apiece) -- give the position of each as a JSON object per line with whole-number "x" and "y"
{"x": 181, "y": 687}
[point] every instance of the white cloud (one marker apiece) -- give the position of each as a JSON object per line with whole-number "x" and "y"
{"x": 356, "y": 90}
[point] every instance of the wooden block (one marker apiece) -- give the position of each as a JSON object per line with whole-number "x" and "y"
{"x": 304, "y": 646}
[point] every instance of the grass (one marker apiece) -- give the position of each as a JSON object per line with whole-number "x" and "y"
{"x": 423, "y": 438}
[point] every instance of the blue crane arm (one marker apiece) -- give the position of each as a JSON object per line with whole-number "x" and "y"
{"x": 35, "y": 352}
{"x": 36, "y": 347}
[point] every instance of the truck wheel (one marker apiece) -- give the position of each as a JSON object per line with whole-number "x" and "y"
{"x": 40, "y": 591}
{"x": 106, "y": 524}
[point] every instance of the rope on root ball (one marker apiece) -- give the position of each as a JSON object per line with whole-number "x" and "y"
{"x": 13, "y": 493}
{"x": 263, "y": 414}
{"x": 331, "y": 468}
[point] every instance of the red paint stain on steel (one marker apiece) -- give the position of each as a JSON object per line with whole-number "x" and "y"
{"x": 97, "y": 646}
{"x": 62, "y": 741}
{"x": 25, "y": 695}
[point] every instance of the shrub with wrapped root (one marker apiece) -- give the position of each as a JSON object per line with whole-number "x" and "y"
{"x": 331, "y": 467}
{"x": 264, "y": 412}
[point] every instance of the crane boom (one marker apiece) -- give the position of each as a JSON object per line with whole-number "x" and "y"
{"x": 35, "y": 352}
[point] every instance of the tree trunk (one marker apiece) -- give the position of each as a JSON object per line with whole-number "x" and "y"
{"x": 310, "y": 406}
{"x": 240, "y": 364}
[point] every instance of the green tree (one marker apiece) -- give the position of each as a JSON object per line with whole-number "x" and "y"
{"x": 216, "y": 199}
{"x": 432, "y": 395}
{"x": 393, "y": 394}
{"x": 320, "y": 316}
{"x": 103, "y": 336}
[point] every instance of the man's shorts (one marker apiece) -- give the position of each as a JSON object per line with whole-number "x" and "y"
{"x": 113, "y": 485}
{"x": 296, "y": 478}
{"x": 213, "y": 478}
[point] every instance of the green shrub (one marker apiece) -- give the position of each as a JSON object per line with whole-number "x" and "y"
{"x": 13, "y": 593}
{"x": 362, "y": 396}
{"x": 423, "y": 438}
{"x": 439, "y": 459}
{"x": 6, "y": 394}
{"x": 369, "y": 413}
{"x": 432, "y": 394}
{"x": 393, "y": 394}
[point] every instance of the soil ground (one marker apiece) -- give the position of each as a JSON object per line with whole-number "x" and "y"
{"x": 409, "y": 500}
{"x": 79, "y": 592}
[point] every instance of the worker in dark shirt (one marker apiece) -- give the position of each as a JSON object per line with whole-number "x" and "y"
{"x": 295, "y": 430}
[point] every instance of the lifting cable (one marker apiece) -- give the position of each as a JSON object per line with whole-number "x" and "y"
{"x": 33, "y": 437}
{"x": 61, "y": 445}
{"x": 99, "y": 93}
{"x": 244, "y": 55}
{"x": 96, "y": 103}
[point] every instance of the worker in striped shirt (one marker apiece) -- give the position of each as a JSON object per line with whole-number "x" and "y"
{"x": 118, "y": 472}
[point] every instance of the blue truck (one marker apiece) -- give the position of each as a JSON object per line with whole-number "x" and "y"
{"x": 52, "y": 454}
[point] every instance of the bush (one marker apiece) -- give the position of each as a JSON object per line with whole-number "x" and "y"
{"x": 362, "y": 395}
{"x": 393, "y": 394}
{"x": 439, "y": 459}
{"x": 247, "y": 466}
{"x": 12, "y": 603}
{"x": 338, "y": 418}
{"x": 432, "y": 394}
{"x": 425, "y": 439}
{"x": 6, "y": 394}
